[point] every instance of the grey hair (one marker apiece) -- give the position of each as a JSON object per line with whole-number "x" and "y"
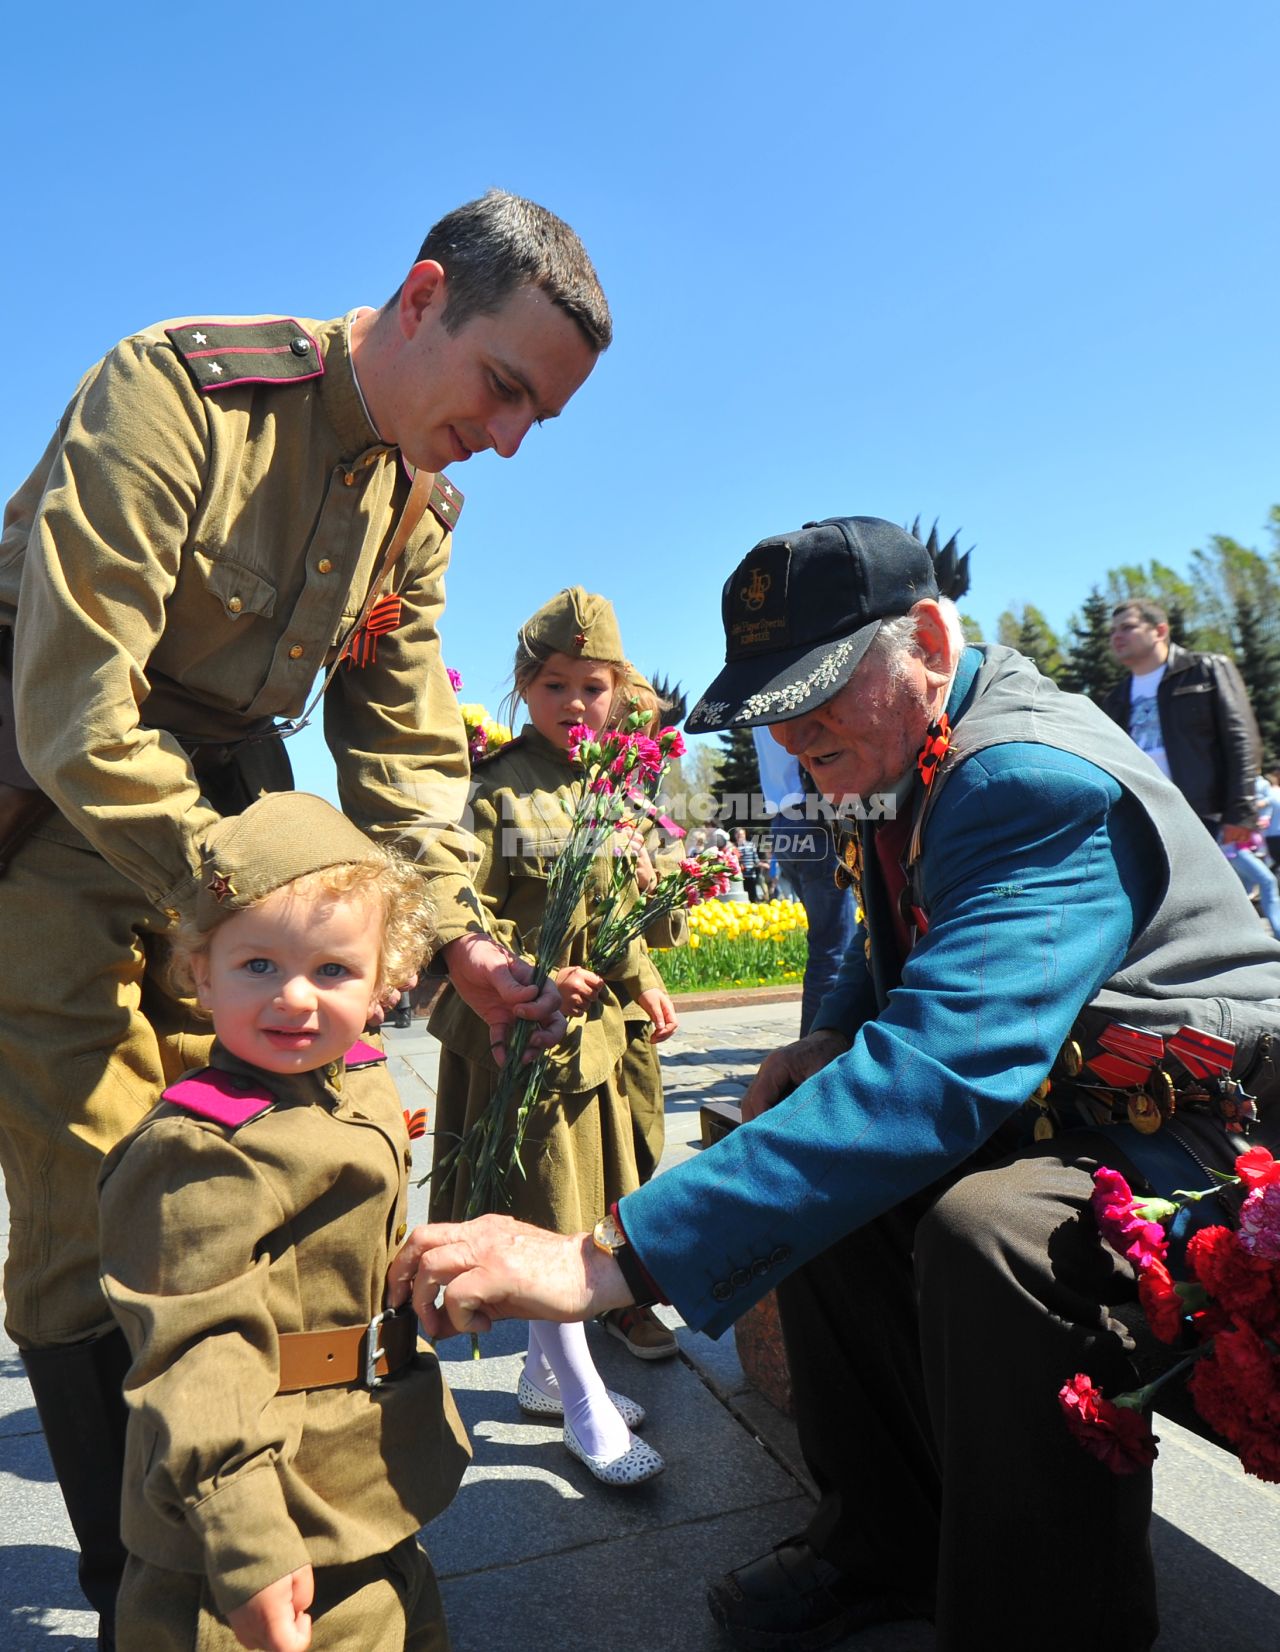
{"x": 897, "y": 638}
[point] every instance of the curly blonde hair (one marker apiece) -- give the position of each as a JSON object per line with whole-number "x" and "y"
{"x": 408, "y": 918}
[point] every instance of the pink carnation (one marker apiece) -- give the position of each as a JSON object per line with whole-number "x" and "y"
{"x": 476, "y": 745}
{"x": 1129, "y": 1235}
{"x": 455, "y": 679}
{"x": 1260, "y": 1223}
{"x": 579, "y": 735}
{"x": 672, "y": 742}
{"x": 649, "y": 753}
{"x": 601, "y": 785}
{"x": 691, "y": 868}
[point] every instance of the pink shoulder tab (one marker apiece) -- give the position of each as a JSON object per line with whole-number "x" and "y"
{"x": 218, "y": 1096}
{"x": 363, "y": 1055}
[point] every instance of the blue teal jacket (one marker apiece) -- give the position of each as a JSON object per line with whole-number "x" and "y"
{"x": 1037, "y": 869}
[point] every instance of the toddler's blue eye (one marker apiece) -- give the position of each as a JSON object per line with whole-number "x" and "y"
{"x": 258, "y": 966}
{"x": 332, "y": 971}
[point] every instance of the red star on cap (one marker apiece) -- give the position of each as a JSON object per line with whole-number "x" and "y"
{"x": 220, "y": 887}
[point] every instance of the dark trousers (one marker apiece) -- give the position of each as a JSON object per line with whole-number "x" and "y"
{"x": 926, "y": 1353}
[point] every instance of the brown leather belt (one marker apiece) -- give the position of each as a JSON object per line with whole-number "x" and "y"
{"x": 363, "y": 1354}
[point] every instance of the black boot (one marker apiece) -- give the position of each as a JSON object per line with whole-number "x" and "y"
{"x": 79, "y": 1393}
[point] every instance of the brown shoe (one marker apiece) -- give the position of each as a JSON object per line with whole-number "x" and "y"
{"x": 641, "y": 1332}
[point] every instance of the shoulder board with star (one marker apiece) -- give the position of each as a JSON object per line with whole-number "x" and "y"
{"x": 220, "y": 1097}
{"x": 220, "y": 354}
{"x": 445, "y": 503}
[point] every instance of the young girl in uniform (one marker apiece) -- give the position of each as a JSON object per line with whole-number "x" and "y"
{"x": 579, "y": 1154}
{"x": 286, "y": 1439}
{"x": 639, "y": 1330}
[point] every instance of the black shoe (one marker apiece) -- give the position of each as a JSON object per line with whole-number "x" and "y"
{"x": 791, "y": 1600}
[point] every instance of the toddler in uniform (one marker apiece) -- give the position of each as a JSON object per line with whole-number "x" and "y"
{"x": 579, "y": 1153}
{"x": 286, "y": 1440}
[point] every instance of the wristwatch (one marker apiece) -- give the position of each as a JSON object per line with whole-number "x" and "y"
{"x": 608, "y": 1236}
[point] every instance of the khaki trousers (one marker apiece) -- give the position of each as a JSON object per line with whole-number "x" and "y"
{"x": 90, "y": 1035}
{"x": 388, "y": 1603}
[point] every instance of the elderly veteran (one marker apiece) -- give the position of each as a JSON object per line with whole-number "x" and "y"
{"x": 942, "y": 1273}
{"x": 229, "y": 511}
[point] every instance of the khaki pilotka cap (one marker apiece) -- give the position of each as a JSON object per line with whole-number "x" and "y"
{"x": 280, "y": 837}
{"x": 577, "y": 623}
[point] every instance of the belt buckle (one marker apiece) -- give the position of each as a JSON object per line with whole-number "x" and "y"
{"x": 373, "y": 1350}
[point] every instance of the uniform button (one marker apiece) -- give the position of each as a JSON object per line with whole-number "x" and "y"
{"x": 234, "y": 605}
{"x": 780, "y": 1255}
{"x": 400, "y": 1233}
{"x": 759, "y": 1268}
{"x": 371, "y": 460}
{"x": 324, "y": 566}
{"x": 722, "y": 1290}
{"x": 295, "y": 653}
{"x": 300, "y": 346}
{"x": 738, "y": 1278}
{"x": 349, "y": 480}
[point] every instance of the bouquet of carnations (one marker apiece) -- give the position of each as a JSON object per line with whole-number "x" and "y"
{"x": 1228, "y": 1311}
{"x": 622, "y": 774}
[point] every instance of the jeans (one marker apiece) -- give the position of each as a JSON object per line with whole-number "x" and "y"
{"x": 1256, "y": 874}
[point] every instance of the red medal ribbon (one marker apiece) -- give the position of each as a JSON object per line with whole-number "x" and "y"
{"x": 383, "y": 616}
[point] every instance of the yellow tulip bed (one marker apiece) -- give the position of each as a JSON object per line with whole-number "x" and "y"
{"x": 737, "y": 944}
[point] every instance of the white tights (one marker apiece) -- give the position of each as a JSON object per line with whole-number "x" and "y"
{"x": 560, "y": 1362}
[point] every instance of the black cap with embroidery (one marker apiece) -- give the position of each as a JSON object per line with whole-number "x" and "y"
{"x": 801, "y": 611}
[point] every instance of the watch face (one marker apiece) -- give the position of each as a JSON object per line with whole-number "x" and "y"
{"x": 607, "y": 1235}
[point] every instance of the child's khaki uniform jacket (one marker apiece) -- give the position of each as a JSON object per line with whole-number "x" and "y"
{"x": 216, "y": 1239}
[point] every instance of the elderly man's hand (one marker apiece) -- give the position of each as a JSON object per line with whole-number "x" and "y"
{"x": 499, "y": 987}
{"x": 498, "y": 1268}
{"x": 786, "y": 1069}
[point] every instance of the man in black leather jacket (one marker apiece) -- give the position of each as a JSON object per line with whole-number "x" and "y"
{"x": 1190, "y": 712}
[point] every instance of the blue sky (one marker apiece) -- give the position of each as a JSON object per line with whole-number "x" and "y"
{"x": 1006, "y": 265}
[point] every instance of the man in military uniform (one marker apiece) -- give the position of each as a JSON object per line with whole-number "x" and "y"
{"x": 1046, "y": 938}
{"x": 227, "y": 509}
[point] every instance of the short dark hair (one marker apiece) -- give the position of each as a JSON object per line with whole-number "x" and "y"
{"x": 1151, "y": 613}
{"x": 489, "y": 247}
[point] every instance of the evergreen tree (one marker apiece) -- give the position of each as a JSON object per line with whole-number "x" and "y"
{"x": 1258, "y": 656}
{"x": 1031, "y": 634}
{"x": 740, "y": 780}
{"x": 1090, "y": 666}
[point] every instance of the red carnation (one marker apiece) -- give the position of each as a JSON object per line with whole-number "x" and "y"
{"x": 1115, "y": 1435}
{"x": 1257, "y": 1168}
{"x": 1160, "y": 1302}
{"x": 1243, "y": 1285}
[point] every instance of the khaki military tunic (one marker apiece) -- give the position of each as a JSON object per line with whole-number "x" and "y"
{"x": 641, "y": 1068}
{"x": 579, "y": 1154}
{"x": 182, "y": 562}
{"x": 214, "y": 1241}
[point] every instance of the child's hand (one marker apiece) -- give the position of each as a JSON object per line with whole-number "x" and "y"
{"x": 657, "y": 1005}
{"x": 630, "y": 841}
{"x": 276, "y": 1618}
{"x": 578, "y": 987}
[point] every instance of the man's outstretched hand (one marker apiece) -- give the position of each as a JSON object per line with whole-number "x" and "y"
{"x": 497, "y": 1268}
{"x": 499, "y": 987}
